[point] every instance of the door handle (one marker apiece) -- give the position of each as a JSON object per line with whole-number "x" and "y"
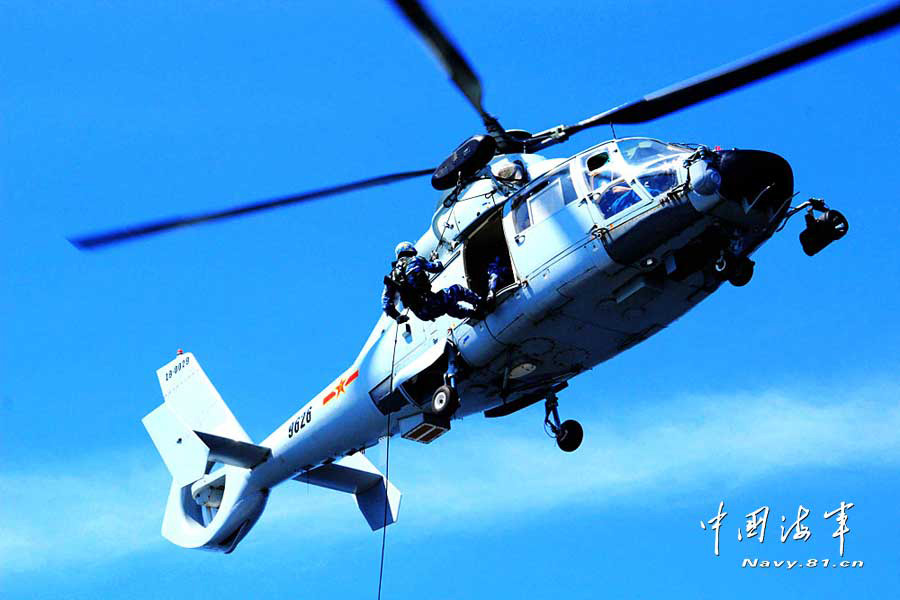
{"x": 520, "y": 238}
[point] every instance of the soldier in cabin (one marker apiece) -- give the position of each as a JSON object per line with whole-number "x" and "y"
{"x": 499, "y": 276}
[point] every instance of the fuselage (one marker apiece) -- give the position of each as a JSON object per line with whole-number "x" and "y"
{"x": 596, "y": 269}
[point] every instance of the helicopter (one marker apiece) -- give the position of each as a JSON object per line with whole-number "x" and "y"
{"x": 605, "y": 249}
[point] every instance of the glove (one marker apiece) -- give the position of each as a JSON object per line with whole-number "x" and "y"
{"x": 402, "y": 319}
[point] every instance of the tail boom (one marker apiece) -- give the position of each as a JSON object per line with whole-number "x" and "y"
{"x": 194, "y": 430}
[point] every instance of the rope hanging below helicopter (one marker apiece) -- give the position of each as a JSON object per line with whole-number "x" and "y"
{"x": 387, "y": 467}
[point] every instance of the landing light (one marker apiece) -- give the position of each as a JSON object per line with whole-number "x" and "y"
{"x": 521, "y": 370}
{"x": 649, "y": 263}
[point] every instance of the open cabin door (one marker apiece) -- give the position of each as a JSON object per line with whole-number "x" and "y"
{"x": 486, "y": 251}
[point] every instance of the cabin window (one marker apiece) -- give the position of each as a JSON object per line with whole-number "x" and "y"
{"x": 547, "y": 201}
{"x": 550, "y": 197}
{"x": 521, "y": 218}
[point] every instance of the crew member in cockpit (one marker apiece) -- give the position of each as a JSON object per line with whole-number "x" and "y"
{"x": 409, "y": 280}
{"x": 614, "y": 196}
{"x": 617, "y": 197}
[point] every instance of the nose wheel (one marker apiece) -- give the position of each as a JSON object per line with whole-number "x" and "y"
{"x": 568, "y": 434}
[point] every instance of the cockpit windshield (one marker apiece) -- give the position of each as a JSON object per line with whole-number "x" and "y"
{"x": 641, "y": 151}
{"x": 659, "y": 162}
{"x": 618, "y": 180}
{"x": 612, "y": 194}
{"x": 661, "y": 180}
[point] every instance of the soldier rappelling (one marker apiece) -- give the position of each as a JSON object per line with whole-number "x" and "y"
{"x": 409, "y": 281}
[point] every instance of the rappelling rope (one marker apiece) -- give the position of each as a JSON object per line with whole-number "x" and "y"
{"x": 387, "y": 466}
{"x": 387, "y": 473}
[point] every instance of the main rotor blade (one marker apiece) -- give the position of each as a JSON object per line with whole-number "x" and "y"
{"x": 90, "y": 242}
{"x": 451, "y": 58}
{"x": 704, "y": 87}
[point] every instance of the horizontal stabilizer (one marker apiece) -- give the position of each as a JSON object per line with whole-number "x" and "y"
{"x": 193, "y": 429}
{"x": 186, "y": 452}
{"x": 341, "y": 478}
{"x": 357, "y": 475}
{"x": 233, "y": 452}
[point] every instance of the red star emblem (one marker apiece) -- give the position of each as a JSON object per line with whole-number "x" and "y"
{"x": 340, "y": 388}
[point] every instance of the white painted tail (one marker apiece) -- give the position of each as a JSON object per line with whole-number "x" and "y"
{"x": 193, "y": 429}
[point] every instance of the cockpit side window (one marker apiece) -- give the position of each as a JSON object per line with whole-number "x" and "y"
{"x": 616, "y": 197}
{"x": 597, "y": 161}
{"x": 611, "y": 191}
{"x": 600, "y": 178}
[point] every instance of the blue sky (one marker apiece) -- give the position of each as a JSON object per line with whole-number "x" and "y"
{"x": 781, "y": 393}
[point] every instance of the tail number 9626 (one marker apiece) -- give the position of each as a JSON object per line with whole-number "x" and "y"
{"x": 300, "y": 422}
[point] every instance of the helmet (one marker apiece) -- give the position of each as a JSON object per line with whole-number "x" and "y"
{"x": 405, "y": 249}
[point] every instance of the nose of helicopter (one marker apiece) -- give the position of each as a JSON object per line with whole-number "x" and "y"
{"x": 761, "y": 180}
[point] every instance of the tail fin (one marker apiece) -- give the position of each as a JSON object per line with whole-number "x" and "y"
{"x": 191, "y": 395}
{"x": 193, "y": 429}
{"x": 194, "y": 426}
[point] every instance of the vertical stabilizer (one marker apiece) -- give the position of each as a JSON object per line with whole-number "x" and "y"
{"x": 193, "y": 429}
{"x": 192, "y": 397}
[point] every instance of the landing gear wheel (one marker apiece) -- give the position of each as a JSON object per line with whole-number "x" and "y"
{"x": 741, "y": 272}
{"x": 444, "y": 401}
{"x": 569, "y": 435}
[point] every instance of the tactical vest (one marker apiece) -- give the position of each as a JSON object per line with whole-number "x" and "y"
{"x": 413, "y": 288}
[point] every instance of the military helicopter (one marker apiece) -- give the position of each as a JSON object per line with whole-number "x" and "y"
{"x": 604, "y": 249}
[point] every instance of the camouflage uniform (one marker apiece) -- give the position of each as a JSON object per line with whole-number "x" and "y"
{"x": 409, "y": 280}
